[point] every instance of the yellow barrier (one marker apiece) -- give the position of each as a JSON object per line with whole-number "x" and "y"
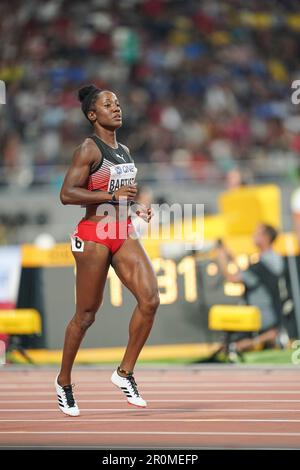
{"x": 234, "y": 318}
{"x": 61, "y": 256}
{"x": 168, "y": 352}
{"x": 245, "y": 207}
{"x": 20, "y": 322}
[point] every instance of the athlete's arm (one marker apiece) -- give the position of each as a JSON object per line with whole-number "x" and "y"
{"x": 74, "y": 190}
{"x": 146, "y": 213}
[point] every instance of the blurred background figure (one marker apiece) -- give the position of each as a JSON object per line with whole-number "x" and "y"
{"x": 295, "y": 206}
{"x": 233, "y": 179}
{"x": 261, "y": 282}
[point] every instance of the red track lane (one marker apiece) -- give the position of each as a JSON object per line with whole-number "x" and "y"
{"x": 201, "y": 407}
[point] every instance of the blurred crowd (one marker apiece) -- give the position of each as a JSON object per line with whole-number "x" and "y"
{"x": 205, "y": 86}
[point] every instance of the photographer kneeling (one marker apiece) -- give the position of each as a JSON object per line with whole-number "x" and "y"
{"x": 261, "y": 281}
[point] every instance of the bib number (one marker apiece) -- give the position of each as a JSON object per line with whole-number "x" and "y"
{"x": 77, "y": 244}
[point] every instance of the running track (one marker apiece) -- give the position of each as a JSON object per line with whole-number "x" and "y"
{"x": 192, "y": 407}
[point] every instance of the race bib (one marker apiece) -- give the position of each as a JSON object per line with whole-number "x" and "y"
{"x": 121, "y": 175}
{"x": 76, "y": 243}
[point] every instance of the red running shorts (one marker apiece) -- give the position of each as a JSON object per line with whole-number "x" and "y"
{"x": 111, "y": 234}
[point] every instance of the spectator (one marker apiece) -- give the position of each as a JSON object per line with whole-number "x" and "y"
{"x": 295, "y": 207}
{"x": 190, "y": 77}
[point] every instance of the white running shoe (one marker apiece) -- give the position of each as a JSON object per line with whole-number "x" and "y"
{"x": 66, "y": 401}
{"x": 129, "y": 387}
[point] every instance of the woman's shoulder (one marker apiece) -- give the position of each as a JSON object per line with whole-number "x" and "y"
{"x": 88, "y": 146}
{"x": 87, "y": 151}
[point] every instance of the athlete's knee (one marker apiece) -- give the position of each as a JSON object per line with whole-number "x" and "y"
{"x": 149, "y": 303}
{"x": 85, "y": 319}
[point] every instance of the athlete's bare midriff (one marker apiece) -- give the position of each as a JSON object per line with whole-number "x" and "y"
{"x": 114, "y": 213}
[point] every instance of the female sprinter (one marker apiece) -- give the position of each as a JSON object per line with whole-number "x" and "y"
{"x": 101, "y": 177}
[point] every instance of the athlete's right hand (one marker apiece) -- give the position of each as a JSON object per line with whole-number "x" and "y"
{"x": 128, "y": 192}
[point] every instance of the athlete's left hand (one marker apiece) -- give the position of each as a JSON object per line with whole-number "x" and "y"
{"x": 146, "y": 213}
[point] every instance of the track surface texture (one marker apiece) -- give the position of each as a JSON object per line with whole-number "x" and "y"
{"x": 193, "y": 407}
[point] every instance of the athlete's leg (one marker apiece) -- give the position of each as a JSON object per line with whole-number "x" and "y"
{"x": 135, "y": 270}
{"x": 91, "y": 271}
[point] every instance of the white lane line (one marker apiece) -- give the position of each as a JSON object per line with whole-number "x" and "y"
{"x": 149, "y": 420}
{"x": 200, "y": 400}
{"x": 203, "y": 446}
{"x": 17, "y": 378}
{"x": 238, "y": 376}
{"x": 147, "y": 375}
{"x": 158, "y": 392}
{"x": 171, "y": 383}
{"x": 179, "y": 433}
{"x": 155, "y": 410}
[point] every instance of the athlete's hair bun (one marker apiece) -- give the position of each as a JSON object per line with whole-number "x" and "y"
{"x": 86, "y": 96}
{"x": 85, "y": 91}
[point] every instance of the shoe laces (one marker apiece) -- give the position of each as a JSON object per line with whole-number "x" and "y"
{"x": 133, "y": 385}
{"x": 68, "y": 390}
